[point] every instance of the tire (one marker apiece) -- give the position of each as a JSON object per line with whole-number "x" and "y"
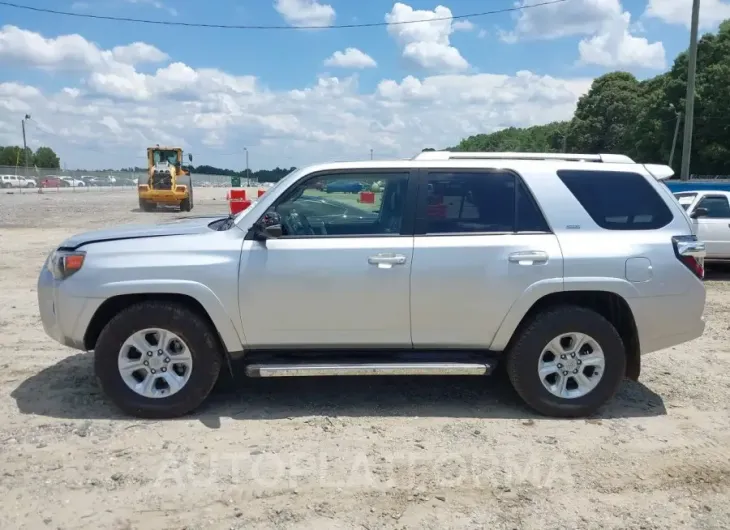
{"x": 185, "y": 205}
{"x": 523, "y": 360}
{"x": 202, "y": 344}
{"x": 146, "y": 206}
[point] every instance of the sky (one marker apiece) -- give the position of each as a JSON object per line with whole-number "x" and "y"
{"x": 100, "y": 92}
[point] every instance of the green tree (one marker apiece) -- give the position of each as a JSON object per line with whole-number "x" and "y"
{"x": 540, "y": 138}
{"x": 621, "y": 114}
{"x": 12, "y": 155}
{"x": 604, "y": 116}
{"x": 45, "y": 157}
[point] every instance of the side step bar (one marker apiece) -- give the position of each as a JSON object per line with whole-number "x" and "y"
{"x": 381, "y": 368}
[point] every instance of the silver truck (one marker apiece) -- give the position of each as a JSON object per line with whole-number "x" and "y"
{"x": 567, "y": 268}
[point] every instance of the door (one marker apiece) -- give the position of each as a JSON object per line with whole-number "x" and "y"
{"x": 480, "y": 242}
{"x": 714, "y": 228}
{"x": 339, "y": 275}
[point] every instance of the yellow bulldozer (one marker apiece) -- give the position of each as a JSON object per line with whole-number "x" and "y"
{"x": 168, "y": 182}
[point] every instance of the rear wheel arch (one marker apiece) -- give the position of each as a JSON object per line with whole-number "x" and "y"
{"x": 610, "y": 305}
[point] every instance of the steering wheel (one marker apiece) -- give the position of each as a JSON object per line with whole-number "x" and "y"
{"x": 297, "y": 224}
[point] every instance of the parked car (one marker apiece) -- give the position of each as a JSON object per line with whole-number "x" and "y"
{"x": 710, "y": 214}
{"x": 567, "y": 268}
{"x": 74, "y": 183}
{"x": 344, "y": 186}
{"x": 26, "y": 182}
{"x": 53, "y": 181}
{"x": 9, "y": 181}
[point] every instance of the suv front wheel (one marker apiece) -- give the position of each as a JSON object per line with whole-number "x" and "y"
{"x": 567, "y": 362}
{"x": 157, "y": 360}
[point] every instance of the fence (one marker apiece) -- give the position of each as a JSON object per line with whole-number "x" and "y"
{"x": 101, "y": 179}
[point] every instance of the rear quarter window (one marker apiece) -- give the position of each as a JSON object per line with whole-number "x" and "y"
{"x": 617, "y": 200}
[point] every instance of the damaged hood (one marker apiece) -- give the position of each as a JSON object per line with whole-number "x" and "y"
{"x": 186, "y": 225}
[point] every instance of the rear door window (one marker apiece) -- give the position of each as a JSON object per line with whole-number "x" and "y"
{"x": 468, "y": 202}
{"x": 617, "y": 200}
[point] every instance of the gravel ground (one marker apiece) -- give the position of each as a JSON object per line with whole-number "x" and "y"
{"x": 342, "y": 453}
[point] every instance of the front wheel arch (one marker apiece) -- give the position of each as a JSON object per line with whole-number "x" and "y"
{"x": 116, "y": 304}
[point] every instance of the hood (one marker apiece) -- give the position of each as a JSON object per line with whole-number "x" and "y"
{"x": 186, "y": 225}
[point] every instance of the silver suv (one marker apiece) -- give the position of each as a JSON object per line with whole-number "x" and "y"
{"x": 567, "y": 268}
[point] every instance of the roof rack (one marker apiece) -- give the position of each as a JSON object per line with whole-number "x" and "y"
{"x": 453, "y": 155}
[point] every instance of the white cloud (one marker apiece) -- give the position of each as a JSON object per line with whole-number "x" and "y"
{"x": 610, "y": 40}
{"x": 138, "y": 52}
{"x": 462, "y": 25}
{"x": 111, "y": 114}
{"x": 156, "y": 4}
{"x": 306, "y": 13}
{"x": 350, "y": 58}
{"x": 426, "y": 44}
{"x": 69, "y": 52}
{"x": 577, "y": 17}
{"x": 615, "y": 47}
{"x": 712, "y": 12}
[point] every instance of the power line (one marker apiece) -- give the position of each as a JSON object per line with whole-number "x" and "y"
{"x": 227, "y": 26}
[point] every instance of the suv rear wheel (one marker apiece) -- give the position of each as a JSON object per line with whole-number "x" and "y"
{"x": 567, "y": 362}
{"x": 157, "y": 360}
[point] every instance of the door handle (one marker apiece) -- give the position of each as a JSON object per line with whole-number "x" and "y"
{"x": 528, "y": 257}
{"x": 386, "y": 261}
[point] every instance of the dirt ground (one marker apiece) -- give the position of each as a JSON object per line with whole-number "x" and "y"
{"x": 364, "y": 453}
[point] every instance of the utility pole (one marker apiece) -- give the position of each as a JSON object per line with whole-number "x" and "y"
{"x": 676, "y": 133}
{"x": 248, "y": 175}
{"x": 689, "y": 111}
{"x": 371, "y": 154}
{"x": 25, "y": 144}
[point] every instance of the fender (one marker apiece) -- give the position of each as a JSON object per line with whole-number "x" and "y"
{"x": 538, "y": 290}
{"x": 230, "y": 336}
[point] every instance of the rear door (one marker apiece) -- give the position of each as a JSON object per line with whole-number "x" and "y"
{"x": 714, "y": 228}
{"x": 480, "y": 242}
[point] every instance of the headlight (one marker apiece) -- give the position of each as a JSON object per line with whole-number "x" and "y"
{"x": 63, "y": 264}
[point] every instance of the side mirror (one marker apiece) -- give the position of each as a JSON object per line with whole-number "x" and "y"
{"x": 190, "y": 157}
{"x": 268, "y": 227}
{"x": 699, "y": 212}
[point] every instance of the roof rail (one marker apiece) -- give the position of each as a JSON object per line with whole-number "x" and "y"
{"x": 454, "y": 155}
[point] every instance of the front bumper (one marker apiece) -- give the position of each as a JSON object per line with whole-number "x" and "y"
{"x": 65, "y": 317}
{"x": 163, "y": 196}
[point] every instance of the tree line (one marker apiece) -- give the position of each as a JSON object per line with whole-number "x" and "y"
{"x": 622, "y": 115}
{"x": 262, "y": 175}
{"x": 43, "y": 157}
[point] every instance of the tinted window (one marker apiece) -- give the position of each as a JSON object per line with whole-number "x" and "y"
{"x": 716, "y": 205}
{"x": 529, "y": 217}
{"x": 617, "y": 200}
{"x": 478, "y": 202}
{"x": 356, "y": 205}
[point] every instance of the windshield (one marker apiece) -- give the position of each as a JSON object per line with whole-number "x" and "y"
{"x": 165, "y": 156}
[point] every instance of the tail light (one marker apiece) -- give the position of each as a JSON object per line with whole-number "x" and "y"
{"x": 143, "y": 187}
{"x": 180, "y": 189}
{"x": 691, "y": 252}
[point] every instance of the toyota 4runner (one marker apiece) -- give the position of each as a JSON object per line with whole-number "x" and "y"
{"x": 567, "y": 268}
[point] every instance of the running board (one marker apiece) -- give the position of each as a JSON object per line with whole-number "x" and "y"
{"x": 381, "y": 368}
